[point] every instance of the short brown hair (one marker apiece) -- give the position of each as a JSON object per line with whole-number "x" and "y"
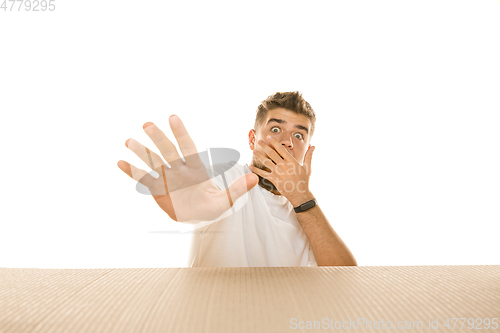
{"x": 292, "y": 101}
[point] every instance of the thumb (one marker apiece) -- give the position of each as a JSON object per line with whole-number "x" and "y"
{"x": 241, "y": 186}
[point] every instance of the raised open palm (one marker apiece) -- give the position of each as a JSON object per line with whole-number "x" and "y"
{"x": 184, "y": 190}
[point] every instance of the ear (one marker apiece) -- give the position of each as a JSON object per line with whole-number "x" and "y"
{"x": 251, "y": 139}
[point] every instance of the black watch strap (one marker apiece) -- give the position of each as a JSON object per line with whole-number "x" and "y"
{"x": 305, "y": 206}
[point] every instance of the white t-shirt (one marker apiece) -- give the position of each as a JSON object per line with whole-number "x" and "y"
{"x": 260, "y": 230}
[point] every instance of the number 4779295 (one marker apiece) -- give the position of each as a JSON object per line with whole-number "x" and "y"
{"x": 483, "y": 323}
{"x": 28, "y": 5}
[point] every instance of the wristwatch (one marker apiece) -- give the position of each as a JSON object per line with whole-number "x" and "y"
{"x": 305, "y": 206}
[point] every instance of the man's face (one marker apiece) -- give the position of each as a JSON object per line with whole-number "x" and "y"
{"x": 290, "y": 129}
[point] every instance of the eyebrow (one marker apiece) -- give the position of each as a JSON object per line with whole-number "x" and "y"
{"x": 281, "y": 121}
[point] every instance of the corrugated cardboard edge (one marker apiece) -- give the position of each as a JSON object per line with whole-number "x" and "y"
{"x": 250, "y": 299}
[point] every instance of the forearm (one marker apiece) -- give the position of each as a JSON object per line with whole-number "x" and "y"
{"x": 327, "y": 246}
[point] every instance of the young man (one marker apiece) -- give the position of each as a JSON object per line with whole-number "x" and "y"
{"x": 278, "y": 223}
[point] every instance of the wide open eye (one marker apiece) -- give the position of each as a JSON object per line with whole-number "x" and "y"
{"x": 299, "y": 136}
{"x": 273, "y": 129}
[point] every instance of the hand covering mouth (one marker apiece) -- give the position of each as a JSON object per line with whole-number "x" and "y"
{"x": 280, "y": 154}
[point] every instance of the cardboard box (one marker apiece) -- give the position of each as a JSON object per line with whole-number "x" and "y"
{"x": 251, "y": 299}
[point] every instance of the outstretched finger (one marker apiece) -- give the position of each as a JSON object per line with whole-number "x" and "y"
{"x": 186, "y": 144}
{"x": 141, "y": 176}
{"x": 166, "y": 147}
{"x": 153, "y": 160}
{"x": 240, "y": 186}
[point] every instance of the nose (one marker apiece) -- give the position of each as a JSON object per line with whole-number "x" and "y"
{"x": 286, "y": 141}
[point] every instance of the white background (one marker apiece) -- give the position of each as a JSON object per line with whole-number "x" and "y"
{"x": 407, "y": 136}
